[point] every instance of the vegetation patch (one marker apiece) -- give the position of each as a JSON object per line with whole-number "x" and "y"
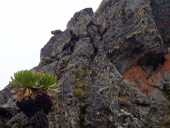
{"x": 90, "y": 63}
{"x": 80, "y": 93}
{"x": 146, "y": 123}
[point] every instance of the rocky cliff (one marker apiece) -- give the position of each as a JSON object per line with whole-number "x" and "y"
{"x": 113, "y": 68}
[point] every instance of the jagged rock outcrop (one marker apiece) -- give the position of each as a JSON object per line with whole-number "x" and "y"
{"x": 113, "y": 68}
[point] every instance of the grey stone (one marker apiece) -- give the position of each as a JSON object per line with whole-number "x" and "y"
{"x": 94, "y": 54}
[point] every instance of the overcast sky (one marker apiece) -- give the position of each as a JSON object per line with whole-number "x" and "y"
{"x": 25, "y": 27}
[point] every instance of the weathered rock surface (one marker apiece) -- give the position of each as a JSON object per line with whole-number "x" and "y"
{"x": 113, "y": 68}
{"x": 161, "y": 11}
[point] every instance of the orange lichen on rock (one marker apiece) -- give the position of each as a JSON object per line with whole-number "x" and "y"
{"x": 155, "y": 78}
{"x": 138, "y": 76}
{"x": 166, "y": 66}
{"x": 145, "y": 78}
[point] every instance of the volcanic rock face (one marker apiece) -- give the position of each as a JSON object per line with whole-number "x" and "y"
{"x": 161, "y": 16}
{"x": 113, "y": 68}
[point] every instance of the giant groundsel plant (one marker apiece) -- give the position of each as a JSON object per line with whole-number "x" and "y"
{"x": 33, "y": 91}
{"x": 30, "y": 80}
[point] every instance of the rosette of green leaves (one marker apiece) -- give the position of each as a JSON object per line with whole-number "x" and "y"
{"x": 47, "y": 81}
{"x": 31, "y": 79}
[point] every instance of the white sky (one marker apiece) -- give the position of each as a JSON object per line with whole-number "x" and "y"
{"x": 25, "y": 27}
